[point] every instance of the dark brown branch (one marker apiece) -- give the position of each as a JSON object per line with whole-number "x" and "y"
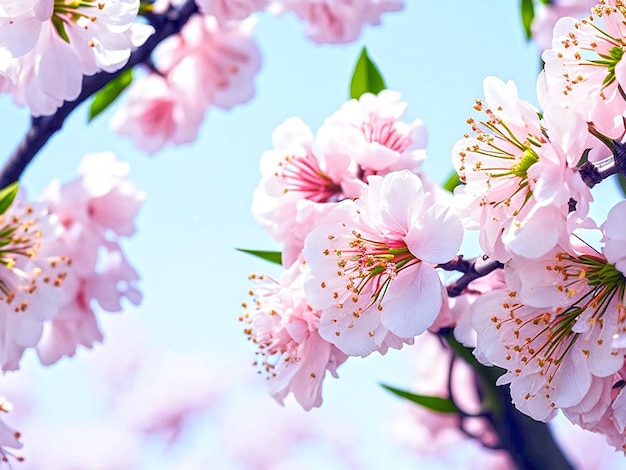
{"x": 42, "y": 128}
{"x": 472, "y": 269}
{"x": 594, "y": 173}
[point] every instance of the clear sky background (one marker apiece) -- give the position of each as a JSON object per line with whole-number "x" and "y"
{"x": 198, "y": 196}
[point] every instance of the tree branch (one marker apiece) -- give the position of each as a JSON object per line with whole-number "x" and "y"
{"x": 472, "y": 269}
{"x": 43, "y": 127}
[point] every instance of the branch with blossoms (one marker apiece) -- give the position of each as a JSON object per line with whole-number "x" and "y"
{"x": 366, "y": 236}
{"x": 44, "y": 127}
{"x": 539, "y": 319}
{"x": 62, "y": 258}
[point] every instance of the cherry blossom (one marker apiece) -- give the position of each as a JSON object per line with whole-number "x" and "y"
{"x": 225, "y": 10}
{"x": 553, "y": 329}
{"x": 283, "y": 326}
{"x": 96, "y": 210}
{"x": 520, "y": 174}
{"x": 207, "y": 64}
{"x": 584, "y": 66}
{"x": 372, "y": 131}
{"x": 373, "y": 277}
{"x": 33, "y": 271}
{"x": 304, "y": 177}
{"x": 337, "y": 21}
{"x": 156, "y": 113}
{"x": 300, "y": 184}
{"x": 47, "y": 46}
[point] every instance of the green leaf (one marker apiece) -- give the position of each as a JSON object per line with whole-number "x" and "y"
{"x": 109, "y": 93}
{"x": 452, "y": 182}
{"x": 366, "y": 77}
{"x": 622, "y": 183}
{"x": 438, "y": 404}
{"x": 527, "y": 9}
{"x": 7, "y": 195}
{"x": 271, "y": 256}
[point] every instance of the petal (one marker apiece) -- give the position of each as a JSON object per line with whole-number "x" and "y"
{"x": 412, "y": 301}
{"x": 439, "y": 236}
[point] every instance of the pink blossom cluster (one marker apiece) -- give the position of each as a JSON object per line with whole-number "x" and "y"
{"x": 366, "y": 233}
{"x": 363, "y": 236}
{"x": 336, "y": 21}
{"x": 61, "y": 255}
{"x": 557, "y": 324}
{"x": 96, "y": 210}
{"x": 304, "y": 177}
{"x": 209, "y": 63}
{"x": 446, "y": 438}
{"x": 213, "y": 62}
{"x": 59, "y": 258}
{"x": 46, "y": 46}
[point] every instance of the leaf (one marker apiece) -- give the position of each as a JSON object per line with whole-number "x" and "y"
{"x": 622, "y": 183}
{"x": 7, "y": 196}
{"x": 109, "y": 93}
{"x": 438, "y": 404}
{"x": 366, "y": 77}
{"x": 271, "y": 256}
{"x": 527, "y": 10}
{"x": 452, "y": 182}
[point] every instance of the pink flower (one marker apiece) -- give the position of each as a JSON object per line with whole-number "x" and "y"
{"x": 291, "y": 353}
{"x": 225, "y": 10}
{"x": 299, "y": 184}
{"x": 584, "y": 66}
{"x": 556, "y": 331}
{"x": 371, "y": 130}
{"x": 224, "y": 59}
{"x": 95, "y": 210}
{"x": 33, "y": 267}
{"x": 157, "y": 113}
{"x": 373, "y": 277}
{"x": 47, "y": 46}
{"x": 304, "y": 177}
{"x": 520, "y": 173}
{"x": 337, "y": 21}
{"x": 207, "y": 64}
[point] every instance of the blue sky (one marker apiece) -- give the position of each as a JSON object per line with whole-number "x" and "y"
{"x": 198, "y": 196}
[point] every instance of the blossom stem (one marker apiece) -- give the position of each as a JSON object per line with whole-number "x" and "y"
{"x": 44, "y": 127}
{"x": 472, "y": 269}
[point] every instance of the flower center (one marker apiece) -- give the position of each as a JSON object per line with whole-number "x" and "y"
{"x": 76, "y": 11}
{"x": 369, "y": 267}
{"x": 384, "y": 132}
{"x": 304, "y": 175}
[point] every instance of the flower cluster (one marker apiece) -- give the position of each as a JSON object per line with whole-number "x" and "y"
{"x": 363, "y": 234}
{"x": 367, "y": 233}
{"x": 95, "y": 211}
{"x": 46, "y": 46}
{"x": 557, "y": 324}
{"x": 213, "y": 62}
